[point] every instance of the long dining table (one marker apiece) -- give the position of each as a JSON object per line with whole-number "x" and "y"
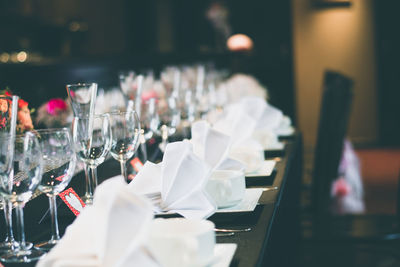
{"x": 274, "y": 224}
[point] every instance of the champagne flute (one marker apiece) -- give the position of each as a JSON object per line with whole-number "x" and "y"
{"x": 165, "y": 118}
{"x": 8, "y": 122}
{"x": 92, "y": 142}
{"x": 58, "y": 168}
{"x": 82, "y": 97}
{"x": 126, "y": 131}
{"x": 18, "y": 188}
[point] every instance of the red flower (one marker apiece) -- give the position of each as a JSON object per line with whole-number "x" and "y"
{"x": 55, "y": 105}
{"x": 22, "y": 104}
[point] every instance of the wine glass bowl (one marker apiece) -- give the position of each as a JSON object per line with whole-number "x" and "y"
{"x": 125, "y": 136}
{"x": 19, "y": 188}
{"x": 59, "y": 162}
{"x": 92, "y": 142}
{"x": 82, "y": 97}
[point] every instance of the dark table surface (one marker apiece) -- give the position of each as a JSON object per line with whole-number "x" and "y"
{"x": 274, "y": 222}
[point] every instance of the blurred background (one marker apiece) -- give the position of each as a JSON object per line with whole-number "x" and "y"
{"x": 47, "y": 44}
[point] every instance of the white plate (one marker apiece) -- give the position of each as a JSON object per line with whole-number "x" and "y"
{"x": 266, "y": 169}
{"x": 223, "y": 254}
{"x": 249, "y": 202}
{"x": 285, "y": 131}
{"x": 276, "y": 146}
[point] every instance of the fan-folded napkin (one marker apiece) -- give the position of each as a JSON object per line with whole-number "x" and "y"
{"x": 111, "y": 232}
{"x": 180, "y": 179}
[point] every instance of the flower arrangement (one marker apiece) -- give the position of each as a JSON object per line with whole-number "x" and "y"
{"x": 53, "y": 114}
{"x": 24, "y": 120}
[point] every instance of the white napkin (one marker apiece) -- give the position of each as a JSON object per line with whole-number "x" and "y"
{"x": 213, "y": 147}
{"x": 239, "y": 86}
{"x": 240, "y": 126}
{"x": 285, "y": 127}
{"x": 268, "y": 139}
{"x": 111, "y": 232}
{"x": 181, "y": 179}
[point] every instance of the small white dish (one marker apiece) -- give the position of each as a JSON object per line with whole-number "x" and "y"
{"x": 223, "y": 254}
{"x": 248, "y": 204}
{"x": 182, "y": 242}
{"x": 266, "y": 169}
{"x": 275, "y": 147}
{"x": 226, "y": 187}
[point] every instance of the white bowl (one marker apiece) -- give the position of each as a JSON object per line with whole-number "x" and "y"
{"x": 226, "y": 187}
{"x": 182, "y": 242}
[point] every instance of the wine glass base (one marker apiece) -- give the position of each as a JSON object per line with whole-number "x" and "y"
{"x": 88, "y": 200}
{"x": 8, "y": 246}
{"x": 22, "y": 256}
{"x": 46, "y": 245}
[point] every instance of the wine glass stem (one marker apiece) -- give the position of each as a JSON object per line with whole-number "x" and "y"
{"x": 7, "y": 206}
{"x": 89, "y": 192}
{"x": 54, "y": 222}
{"x": 20, "y": 225}
{"x": 93, "y": 179}
{"x": 143, "y": 148}
{"x": 124, "y": 172}
{"x": 164, "y": 135}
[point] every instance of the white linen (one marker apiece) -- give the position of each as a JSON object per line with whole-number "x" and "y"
{"x": 111, "y": 232}
{"x": 213, "y": 147}
{"x": 180, "y": 178}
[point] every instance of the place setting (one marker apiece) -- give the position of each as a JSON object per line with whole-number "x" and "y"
{"x": 167, "y": 212}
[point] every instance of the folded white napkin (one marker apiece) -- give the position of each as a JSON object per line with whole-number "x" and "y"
{"x": 285, "y": 127}
{"x": 180, "y": 179}
{"x": 111, "y": 232}
{"x": 267, "y": 138}
{"x": 252, "y": 118}
{"x": 213, "y": 147}
{"x": 239, "y": 86}
{"x": 240, "y": 126}
{"x": 264, "y": 114}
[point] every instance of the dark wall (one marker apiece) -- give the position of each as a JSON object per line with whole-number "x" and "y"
{"x": 126, "y": 34}
{"x": 388, "y": 55}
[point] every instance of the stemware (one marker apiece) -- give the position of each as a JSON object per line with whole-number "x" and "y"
{"x": 92, "y": 142}
{"x": 82, "y": 97}
{"x": 8, "y": 122}
{"x": 165, "y": 118}
{"x": 126, "y": 131}
{"x": 18, "y": 188}
{"x": 58, "y": 168}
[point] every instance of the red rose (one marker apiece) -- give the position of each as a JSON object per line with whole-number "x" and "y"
{"x": 56, "y": 105}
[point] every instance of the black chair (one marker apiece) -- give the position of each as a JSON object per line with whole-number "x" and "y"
{"x": 320, "y": 223}
{"x": 334, "y": 115}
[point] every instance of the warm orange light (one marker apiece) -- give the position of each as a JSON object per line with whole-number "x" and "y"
{"x": 4, "y": 57}
{"x": 22, "y": 56}
{"x": 239, "y": 42}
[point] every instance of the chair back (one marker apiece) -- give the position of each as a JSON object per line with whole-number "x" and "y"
{"x": 332, "y": 128}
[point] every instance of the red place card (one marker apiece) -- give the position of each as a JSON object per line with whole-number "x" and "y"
{"x": 73, "y": 201}
{"x": 136, "y": 164}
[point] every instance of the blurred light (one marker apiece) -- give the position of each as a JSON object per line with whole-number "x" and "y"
{"x": 22, "y": 56}
{"x": 14, "y": 57}
{"x": 239, "y": 42}
{"x": 74, "y": 26}
{"x": 4, "y": 57}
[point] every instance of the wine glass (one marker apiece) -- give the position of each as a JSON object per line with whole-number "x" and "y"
{"x": 82, "y": 97}
{"x": 92, "y": 142}
{"x": 126, "y": 130}
{"x": 58, "y": 168}
{"x": 18, "y": 188}
{"x": 8, "y": 122}
{"x": 165, "y": 118}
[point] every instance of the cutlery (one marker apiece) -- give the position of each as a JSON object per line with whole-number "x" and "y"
{"x": 232, "y": 230}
